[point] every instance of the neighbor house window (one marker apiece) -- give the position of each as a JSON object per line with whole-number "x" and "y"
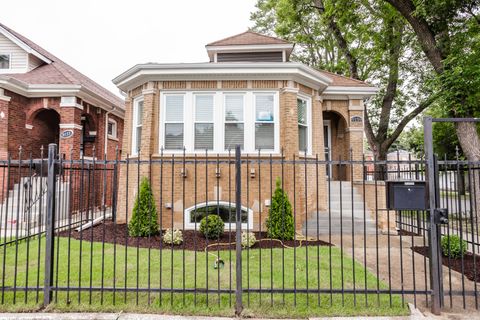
{"x": 4, "y": 61}
{"x": 234, "y": 127}
{"x": 264, "y": 122}
{"x": 204, "y": 122}
{"x": 137, "y": 126}
{"x": 226, "y": 211}
{"x": 112, "y": 129}
{"x": 174, "y": 126}
{"x": 302, "y": 125}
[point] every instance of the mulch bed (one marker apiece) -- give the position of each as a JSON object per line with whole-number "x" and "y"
{"x": 192, "y": 240}
{"x": 402, "y": 233}
{"x": 456, "y": 264}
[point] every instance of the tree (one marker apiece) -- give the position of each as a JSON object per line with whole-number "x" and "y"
{"x": 448, "y": 33}
{"x": 280, "y": 217}
{"x": 144, "y": 218}
{"x": 365, "y": 40}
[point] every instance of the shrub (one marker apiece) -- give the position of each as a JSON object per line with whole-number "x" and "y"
{"x": 174, "y": 236}
{"x": 453, "y": 246}
{"x": 144, "y": 216}
{"x": 280, "y": 218}
{"x": 248, "y": 239}
{"x": 212, "y": 226}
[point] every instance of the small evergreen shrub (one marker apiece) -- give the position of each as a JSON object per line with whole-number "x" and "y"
{"x": 453, "y": 246}
{"x": 280, "y": 218}
{"x": 144, "y": 215}
{"x": 248, "y": 239}
{"x": 174, "y": 236}
{"x": 212, "y": 226}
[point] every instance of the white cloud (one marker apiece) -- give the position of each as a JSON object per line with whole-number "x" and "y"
{"x": 103, "y": 38}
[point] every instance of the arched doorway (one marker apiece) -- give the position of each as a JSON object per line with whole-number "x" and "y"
{"x": 45, "y": 130}
{"x": 336, "y": 142}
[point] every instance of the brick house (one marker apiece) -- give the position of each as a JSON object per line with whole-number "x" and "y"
{"x": 251, "y": 94}
{"x": 44, "y": 100}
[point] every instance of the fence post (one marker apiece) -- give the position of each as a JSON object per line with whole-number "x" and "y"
{"x": 50, "y": 225}
{"x": 436, "y": 280}
{"x": 238, "y": 228}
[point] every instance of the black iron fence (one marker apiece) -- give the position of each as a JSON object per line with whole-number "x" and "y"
{"x": 292, "y": 238}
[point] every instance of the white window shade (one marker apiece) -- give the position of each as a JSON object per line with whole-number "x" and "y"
{"x": 234, "y": 135}
{"x": 264, "y": 108}
{"x": 174, "y": 108}
{"x": 204, "y": 108}
{"x": 264, "y": 136}
{"x": 234, "y": 108}
{"x": 139, "y": 114}
{"x": 204, "y": 136}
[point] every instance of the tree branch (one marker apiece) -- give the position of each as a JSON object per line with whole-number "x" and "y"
{"x": 342, "y": 43}
{"x": 425, "y": 35}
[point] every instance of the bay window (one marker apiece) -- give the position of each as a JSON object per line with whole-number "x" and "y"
{"x": 264, "y": 122}
{"x": 137, "y": 126}
{"x": 174, "y": 105}
{"x": 219, "y": 121}
{"x": 234, "y": 127}
{"x": 303, "y": 115}
{"x": 204, "y": 122}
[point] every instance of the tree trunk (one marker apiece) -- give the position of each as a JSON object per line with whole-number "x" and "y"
{"x": 470, "y": 142}
{"x": 381, "y": 169}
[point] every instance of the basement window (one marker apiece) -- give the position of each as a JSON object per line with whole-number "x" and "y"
{"x": 225, "y": 210}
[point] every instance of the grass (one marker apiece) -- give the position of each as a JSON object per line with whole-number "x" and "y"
{"x": 131, "y": 268}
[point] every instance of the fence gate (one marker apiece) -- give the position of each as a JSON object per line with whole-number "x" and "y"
{"x": 454, "y": 195}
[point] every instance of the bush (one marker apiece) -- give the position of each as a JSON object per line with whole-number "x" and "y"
{"x": 212, "y": 226}
{"x": 280, "y": 218}
{"x": 453, "y": 246}
{"x": 248, "y": 239}
{"x": 174, "y": 236}
{"x": 144, "y": 216}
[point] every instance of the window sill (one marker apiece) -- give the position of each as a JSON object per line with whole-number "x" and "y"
{"x": 112, "y": 138}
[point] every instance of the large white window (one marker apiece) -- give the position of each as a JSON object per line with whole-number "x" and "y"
{"x": 234, "y": 126}
{"x": 4, "y": 61}
{"x": 264, "y": 122}
{"x": 218, "y": 121}
{"x": 137, "y": 126}
{"x": 204, "y": 122}
{"x": 174, "y": 111}
{"x": 304, "y": 125}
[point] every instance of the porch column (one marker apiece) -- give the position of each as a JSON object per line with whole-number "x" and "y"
{"x": 355, "y": 132}
{"x": 4, "y": 104}
{"x": 70, "y": 129}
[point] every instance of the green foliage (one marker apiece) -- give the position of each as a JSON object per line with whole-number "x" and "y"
{"x": 174, "y": 236}
{"x": 280, "y": 218}
{"x": 144, "y": 217}
{"x": 212, "y": 226}
{"x": 453, "y": 246}
{"x": 248, "y": 239}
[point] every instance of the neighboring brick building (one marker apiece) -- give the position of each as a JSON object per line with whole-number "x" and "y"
{"x": 249, "y": 94}
{"x": 43, "y": 100}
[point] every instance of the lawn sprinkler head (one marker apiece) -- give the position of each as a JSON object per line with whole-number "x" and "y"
{"x": 219, "y": 264}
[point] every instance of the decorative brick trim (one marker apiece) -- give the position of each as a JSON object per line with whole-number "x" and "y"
{"x": 28, "y": 126}
{"x": 70, "y": 126}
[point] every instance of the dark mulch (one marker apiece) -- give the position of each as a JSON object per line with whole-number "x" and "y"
{"x": 456, "y": 264}
{"x": 192, "y": 240}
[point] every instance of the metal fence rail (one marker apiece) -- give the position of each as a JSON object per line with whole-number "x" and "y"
{"x": 348, "y": 247}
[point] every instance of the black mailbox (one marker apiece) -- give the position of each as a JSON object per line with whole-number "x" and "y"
{"x": 407, "y": 195}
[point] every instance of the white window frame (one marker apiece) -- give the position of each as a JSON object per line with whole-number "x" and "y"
{"x": 224, "y": 121}
{"x": 213, "y": 203}
{"x": 9, "y": 62}
{"x": 219, "y": 121}
{"x": 308, "y": 100}
{"x": 188, "y": 118}
{"x": 114, "y": 135}
{"x": 213, "y": 121}
{"x": 134, "y": 151}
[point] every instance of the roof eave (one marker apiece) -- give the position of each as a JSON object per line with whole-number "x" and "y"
{"x": 140, "y": 74}
{"x": 349, "y": 92}
{"x": 23, "y": 45}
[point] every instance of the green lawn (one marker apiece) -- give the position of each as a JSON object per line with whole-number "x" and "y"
{"x": 149, "y": 274}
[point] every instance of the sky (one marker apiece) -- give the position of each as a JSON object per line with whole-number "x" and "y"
{"x": 103, "y": 38}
